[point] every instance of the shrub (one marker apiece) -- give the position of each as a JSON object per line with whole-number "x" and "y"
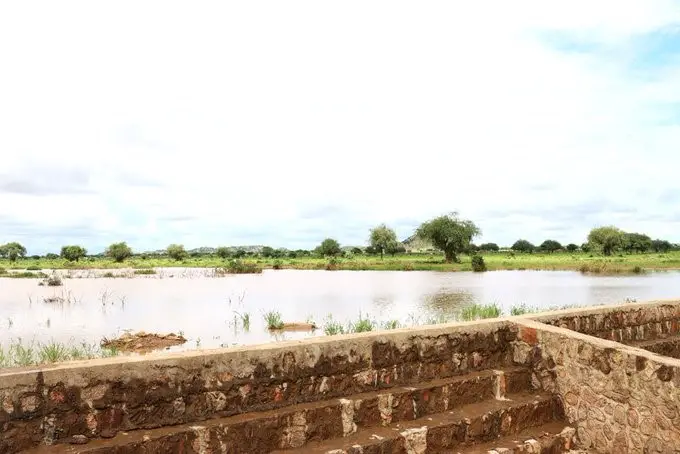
{"x": 176, "y": 252}
{"x": 119, "y": 251}
{"x": 332, "y": 264}
{"x": 223, "y": 252}
{"x": 478, "y": 264}
{"x": 278, "y": 264}
{"x": 239, "y": 267}
{"x": 33, "y": 268}
{"x": 73, "y": 253}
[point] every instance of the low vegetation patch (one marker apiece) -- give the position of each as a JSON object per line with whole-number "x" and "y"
{"x": 144, "y": 271}
{"x": 480, "y": 311}
{"x": 18, "y": 353}
{"x": 273, "y": 320}
{"x": 238, "y": 267}
{"x": 52, "y": 281}
{"x": 26, "y": 275}
{"x": 478, "y": 264}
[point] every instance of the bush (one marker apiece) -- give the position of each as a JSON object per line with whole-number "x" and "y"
{"x": 176, "y": 252}
{"x": 119, "y": 251}
{"x": 332, "y": 264}
{"x": 239, "y": 267}
{"x": 73, "y": 253}
{"x": 478, "y": 264}
{"x": 278, "y": 264}
{"x": 33, "y": 268}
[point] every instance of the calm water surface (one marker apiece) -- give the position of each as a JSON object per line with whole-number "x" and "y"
{"x": 204, "y": 308}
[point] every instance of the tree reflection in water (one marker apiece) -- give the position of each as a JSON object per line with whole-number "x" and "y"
{"x": 445, "y": 305}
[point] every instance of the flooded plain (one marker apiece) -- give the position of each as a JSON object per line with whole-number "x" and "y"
{"x": 209, "y": 311}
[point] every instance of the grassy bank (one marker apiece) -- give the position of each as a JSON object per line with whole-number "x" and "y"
{"x": 635, "y": 263}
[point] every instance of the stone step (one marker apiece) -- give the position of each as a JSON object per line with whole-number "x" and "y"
{"x": 295, "y": 425}
{"x": 550, "y": 438}
{"x": 448, "y": 432}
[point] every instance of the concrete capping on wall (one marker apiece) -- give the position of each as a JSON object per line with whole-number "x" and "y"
{"x": 238, "y": 358}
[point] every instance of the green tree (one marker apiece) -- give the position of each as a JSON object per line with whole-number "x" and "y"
{"x": 12, "y": 251}
{"x": 119, "y": 251}
{"x": 267, "y": 252}
{"x": 661, "y": 246}
{"x": 51, "y": 256}
{"x": 636, "y": 242}
{"x": 329, "y": 247}
{"x": 176, "y": 252}
{"x": 357, "y": 251}
{"x": 396, "y": 248}
{"x": 607, "y": 239}
{"x": 571, "y": 247}
{"x": 73, "y": 253}
{"x": 490, "y": 247}
{"x": 223, "y": 252}
{"x": 550, "y": 246}
{"x": 382, "y": 238}
{"x": 523, "y": 246}
{"x": 240, "y": 253}
{"x": 449, "y": 234}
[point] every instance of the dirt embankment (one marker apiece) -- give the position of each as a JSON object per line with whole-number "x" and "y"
{"x": 142, "y": 342}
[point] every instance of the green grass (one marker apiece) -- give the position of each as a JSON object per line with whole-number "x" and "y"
{"x": 273, "y": 320}
{"x": 480, "y": 311}
{"x": 522, "y": 309}
{"x": 332, "y": 327}
{"x": 361, "y": 325}
{"x": 595, "y": 264}
{"x": 144, "y": 271}
{"x": 19, "y": 353}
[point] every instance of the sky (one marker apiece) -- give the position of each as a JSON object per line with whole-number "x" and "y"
{"x": 283, "y": 123}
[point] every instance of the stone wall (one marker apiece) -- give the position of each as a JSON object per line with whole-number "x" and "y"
{"x": 627, "y": 323}
{"x": 101, "y": 397}
{"x": 621, "y": 399}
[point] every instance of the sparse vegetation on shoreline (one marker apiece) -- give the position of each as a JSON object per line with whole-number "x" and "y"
{"x": 492, "y": 261}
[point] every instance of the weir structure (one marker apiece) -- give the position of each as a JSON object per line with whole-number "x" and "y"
{"x": 602, "y": 380}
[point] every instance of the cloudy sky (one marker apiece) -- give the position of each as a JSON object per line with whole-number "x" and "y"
{"x": 281, "y": 123}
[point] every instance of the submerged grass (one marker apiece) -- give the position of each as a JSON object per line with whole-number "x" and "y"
{"x": 273, "y": 320}
{"x": 144, "y": 271}
{"x": 18, "y": 353}
{"x": 480, "y": 311}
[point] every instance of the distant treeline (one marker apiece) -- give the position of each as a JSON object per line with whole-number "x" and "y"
{"x": 447, "y": 233}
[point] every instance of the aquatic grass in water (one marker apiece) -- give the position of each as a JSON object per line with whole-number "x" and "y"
{"x": 522, "y": 309}
{"x": 331, "y": 327}
{"x": 480, "y": 311}
{"x": 273, "y": 320}
{"x": 144, "y": 271}
{"x": 20, "y": 354}
{"x": 361, "y": 325}
{"x": 390, "y": 324}
{"x": 245, "y": 320}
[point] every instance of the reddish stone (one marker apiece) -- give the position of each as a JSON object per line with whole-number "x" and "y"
{"x": 528, "y": 335}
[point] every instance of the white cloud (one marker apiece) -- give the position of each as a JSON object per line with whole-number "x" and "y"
{"x": 218, "y": 123}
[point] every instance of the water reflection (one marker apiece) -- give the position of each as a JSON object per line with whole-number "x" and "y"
{"x": 445, "y": 304}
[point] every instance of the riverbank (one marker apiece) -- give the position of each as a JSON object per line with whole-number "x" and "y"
{"x": 635, "y": 263}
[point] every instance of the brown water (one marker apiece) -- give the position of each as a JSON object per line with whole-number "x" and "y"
{"x": 204, "y": 308}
